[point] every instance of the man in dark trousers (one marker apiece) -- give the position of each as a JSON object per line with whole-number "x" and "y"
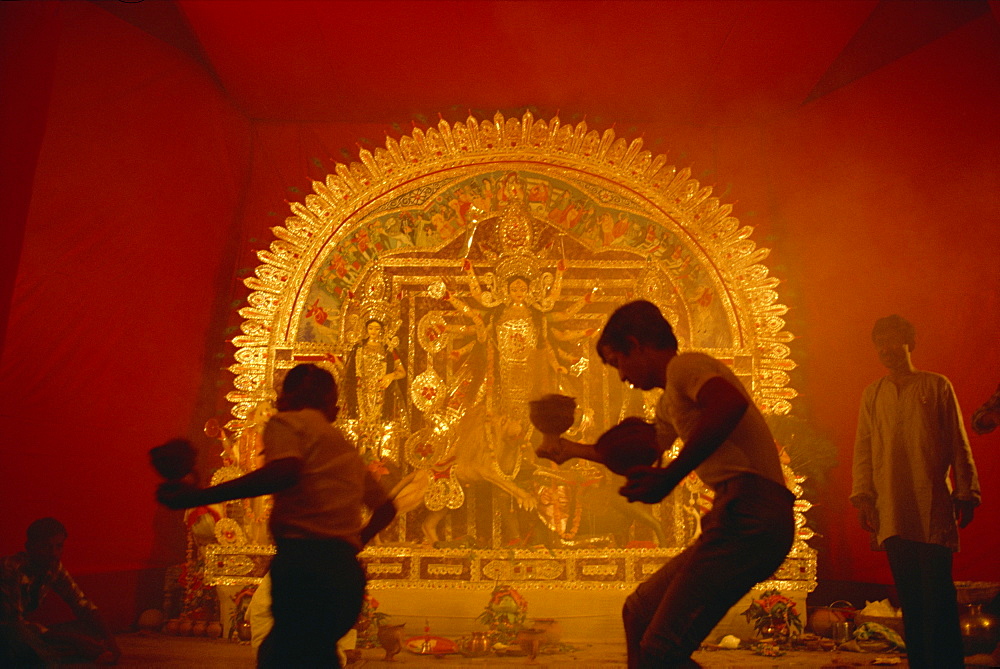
{"x": 910, "y": 436}
{"x": 748, "y": 532}
{"x": 320, "y": 486}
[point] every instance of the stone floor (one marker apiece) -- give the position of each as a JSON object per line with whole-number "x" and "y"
{"x": 159, "y": 651}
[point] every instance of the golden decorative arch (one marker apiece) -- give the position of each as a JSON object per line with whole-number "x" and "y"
{"x": 427, "y": 236}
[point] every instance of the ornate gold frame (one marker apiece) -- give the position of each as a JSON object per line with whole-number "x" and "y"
{"x": 757, "y": 344}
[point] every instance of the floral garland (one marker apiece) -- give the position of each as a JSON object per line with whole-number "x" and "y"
{"x": 199, "y": 600}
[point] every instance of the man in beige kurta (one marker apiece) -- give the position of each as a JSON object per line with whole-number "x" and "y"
{"x": 910, "y": 443}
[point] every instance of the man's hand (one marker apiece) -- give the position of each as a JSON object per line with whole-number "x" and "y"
{"x": 648, "y": 484}
{"x": 868, "y": 516}
{"x": 552, "y": 449}
{"x": 177, "y": 494}
{"x": 964, "y": 510}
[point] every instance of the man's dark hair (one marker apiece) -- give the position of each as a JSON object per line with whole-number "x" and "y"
{"x": 896, "y": 323}
{"x": 640, "y": 319}
{"x": 308, "y": 387}
{"x": 44, "y": 529}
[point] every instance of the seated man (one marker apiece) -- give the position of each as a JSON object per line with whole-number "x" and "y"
{"x": 25, "y": 579}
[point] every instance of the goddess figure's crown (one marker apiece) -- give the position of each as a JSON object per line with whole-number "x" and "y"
{"x": 512, "y": 266}
{"x": 375, "y": 303}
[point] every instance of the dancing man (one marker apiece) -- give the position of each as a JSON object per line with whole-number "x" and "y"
{"x": 748, "y": 532}
{"x": 319, "y": 484}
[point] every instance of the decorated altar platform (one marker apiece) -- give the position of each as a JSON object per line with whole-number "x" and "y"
{"x": 448, "y": 589}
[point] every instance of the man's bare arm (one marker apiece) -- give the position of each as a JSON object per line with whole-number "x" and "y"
{"x": 559, "y": 449}
{"x": 723, "y": 407}
{"x": 273, "y": 477}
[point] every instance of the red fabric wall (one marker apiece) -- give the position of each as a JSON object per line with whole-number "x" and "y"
{"x": 126, "y": 262}
{"x": 152, "y": 193}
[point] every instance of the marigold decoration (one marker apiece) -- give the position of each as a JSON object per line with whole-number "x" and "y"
{"x": 504, "y": 614}
{"x": 377, "y": 468}
{"x": 774, "y": 615}
{"x": 369, "y": 622}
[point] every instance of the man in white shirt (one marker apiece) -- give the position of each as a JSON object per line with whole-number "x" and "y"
{"x": 748, "y": 532}
{"x": 320, "y": 486}
{"x": 910, "y": 436}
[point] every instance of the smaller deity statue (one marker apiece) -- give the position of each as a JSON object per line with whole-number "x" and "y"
{"x": 371, "y": 381}
{"x": 249, "y": 450}
{"x": 372, "y": 374}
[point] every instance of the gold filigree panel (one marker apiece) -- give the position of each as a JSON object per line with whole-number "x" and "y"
{"x": 427, "y": 237}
